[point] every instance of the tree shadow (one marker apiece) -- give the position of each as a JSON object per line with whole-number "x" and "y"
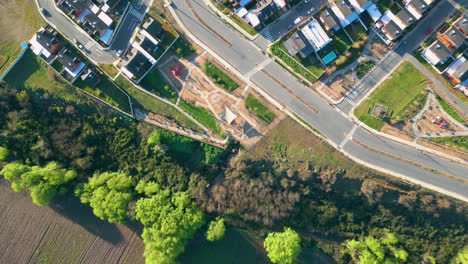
{"x": 71, "y": 208}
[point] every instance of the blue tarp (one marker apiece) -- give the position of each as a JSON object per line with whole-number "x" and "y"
{"x": 24, "y": 45}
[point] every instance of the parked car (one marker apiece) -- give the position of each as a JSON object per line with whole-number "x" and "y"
{"x": 310, "y": 11}
{"x": 297, "y": 20}
{"x": 306, "y": 1}
{"x": 118, "y": 53}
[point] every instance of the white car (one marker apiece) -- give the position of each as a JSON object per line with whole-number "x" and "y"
{"x": 310, "y": 11}
{"x": 119, "y": 52}
{"x": 297, "y": 20}
{"x": 306, "y": 1}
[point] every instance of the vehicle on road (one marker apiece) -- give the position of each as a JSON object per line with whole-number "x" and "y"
{"x": 297, "y": 20}
{"x": 306, "y": 1}
{"x": 310, "y": 11}
{"x": 44, "y": 12}
{"x": 118, "y": 53}
{"x": 290, "y": 26}
{"x": 429, "y": 31}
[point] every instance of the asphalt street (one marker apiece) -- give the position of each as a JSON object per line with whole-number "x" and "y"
{"x": 242, "y": 55}
{"x": 95, "y": 51}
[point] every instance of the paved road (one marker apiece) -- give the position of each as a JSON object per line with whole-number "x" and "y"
{"x": 243, "y": 56}
{"x": 96, "y": 52}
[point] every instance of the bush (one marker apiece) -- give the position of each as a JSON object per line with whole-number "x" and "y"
{"x": 219, "y": 77}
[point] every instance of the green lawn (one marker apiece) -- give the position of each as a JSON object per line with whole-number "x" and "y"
{"x": 109, "y": 69}
{"x": 219, "y": 77}
{"x": 32, "y": 73}
{"x": 57, "y": 66}
{"x": 355, "y": 30}
{"x": 155, "y": 83}
{"x": 398, "y": 93}
{"x": 183, "y": 48}
{"x": 149, "y": 103}
{"x": 447, "y": 108}
{"x": 203, "y": 116}
{"x": 458, "y": 143}
{"x": 107, "y": 91}
{"x": 364, "y": 67}
{"x": 341, "y": 41}
{"x": 383, "y": 5}
{"x": 258, "y": 109}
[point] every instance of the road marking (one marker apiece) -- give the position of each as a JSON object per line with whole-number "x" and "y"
{"x": 258, "y": 68}
{"x": 88, "y": 45}
{"x": 348, "y": 137}
{"x": 136, "y": 14}
{"x": 349, "y": 100}
{"x": 268, "y": 36}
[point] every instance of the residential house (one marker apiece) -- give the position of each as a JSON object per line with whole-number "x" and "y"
{"x": 415, "y": 7}
{"x": 115, "y": 6}
{"x": 91, "y": 78}
{"x": 389, "y": 16}
{"x": 457, "y": 71}
{"x": 97, "y": 27}
{"x": 328, "y": 21}
{"x": 391, "y": 30}
{"x": 154, "y": 28}
{"x": 137, "y": 66}
{"x": 463, "y": 87}
{"x": 344, "y": 13}
{"x": 360, "y": 5}
{"x": 436, "y": 53}
{"x": 298, "y": 44}
{"x": 453, "y": 37}
{"x": 462, "y": 24}
{"x": 248, "y": 17}
{"x": 315, "y": 35}
{"x": 45, "y": 44}
{"x": 405, "y": 17}
{"x": 71, "y": 63}
{"x": 146, "y": 47}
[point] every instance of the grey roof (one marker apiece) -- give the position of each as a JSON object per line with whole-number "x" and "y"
{"x": 392, "y": 29}
{"x": 138, "y": 64}
{"x": 461, "y": 70}
{"x": 440, "y": 50}
{"x": 455, "y": 35}
{"x": 420, "y": 5}
{"x": 344, "y": 8}
{"x": 327, "y": 19}
{"x": 294, "y": 44}
{"x": 91, "y": 78}
{"x": 68, "y": 59}
{"x": 47, "y": 40}
{"x": 95, "y": 23}
{"x": 154, "y": 29}
{"x": 77, "y": 4}
{"x": 462, "y": 23}
{"x": 405, "y": 16}
{"x": 148, "y": 45}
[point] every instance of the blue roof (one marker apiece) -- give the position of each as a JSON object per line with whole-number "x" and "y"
{"x": 106, "y": 36}
{"x": 24, "y": 44}
{"x": 331, "y": 56}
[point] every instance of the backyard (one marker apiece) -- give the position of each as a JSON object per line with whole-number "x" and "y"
{"x": 154, "y": 82}
{"x": 259, "y": 109}
{"x": 355, "y": 29}
{"x": 403, "y": 94}
{"x": 341, "y": 41}
{"x": 219, "y": 77}
{"x": 109, "y": 69}
{"x": 203, "y": 116}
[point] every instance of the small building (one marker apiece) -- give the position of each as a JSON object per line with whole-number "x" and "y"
{"x": 315, "y": 35}
{"x": 154, "y": 28}
{"x": 137, "y": 66}
{"x": 453, "y": 37}
{"x": 115, "y": 6}
{"x": 415, "y": 7}
{"x": 436, "y": 53}
{"x": 391, "y": 30}
{"x": 298, "y": 44}
{"x": 462, "y": 24}
{"x": 463, "y": 87}
{"x": 71, "y": 63}
{"x": 344, "y": 13}
{"x": 45, "y": 44}
{"x": 374, "y": 12}
{"x": 97, "y": 27}
{"x": 90, "y": 78}
{"x": 360, "y": 5}
{"x": 457, "y": 71}
{"x": 405, "y": 17}
{"x": 328, "y": 21}
{"x": 389, "y": 16}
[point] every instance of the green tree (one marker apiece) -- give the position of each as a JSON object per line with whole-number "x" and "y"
{"x": 216, "y": 229}
{"x": 3, "y": 153}
{"x": 461, "y": 257}
{"x": 108, "y": 194}
{"x": 372, "y": 250}
{"x": 283, "y": 247}
{"x": 169, "y": 220}
{"x": 43, "y": 183}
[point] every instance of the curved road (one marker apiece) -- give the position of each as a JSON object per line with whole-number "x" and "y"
{"x": 244, "y": 56}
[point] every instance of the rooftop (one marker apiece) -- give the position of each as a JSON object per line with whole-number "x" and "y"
{"x": 440, "y": 50}
{"x": 454, "y": 35}
{"x": 294, "y": 44}
{"x": 47, "y": 40}
{"x": 462, "y": 23}
{"x": 315, "y": 34}
{"x": 344, "y": 8}
{"x": 392, "y": 29}
{"x": 405, "y": 16}
{"x": 153, "y": 28}
{"x": 138, "y": 64}
{"x": 327, "y": 19}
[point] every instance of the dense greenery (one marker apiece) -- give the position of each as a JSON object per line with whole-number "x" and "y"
{"x": 43, "y": 182}
{"x": 458, "y": 143}
{"x": 216, "y": 229}
{"x": 364, "y": 67}
{"x": 219, "y": 77}
{"x": 183, "y": 48}
{"x": 203, "y": 116}
{"x": 284, "y": 247}
{"x": 155, "y": 83}
{"x": 259, "y": 109}
{"x": 276, "y": 50}
{"x": 449, "y": 110}
{"x": 108, "y": 194}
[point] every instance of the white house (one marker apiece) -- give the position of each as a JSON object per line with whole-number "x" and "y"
{"x": 315, "y": 34}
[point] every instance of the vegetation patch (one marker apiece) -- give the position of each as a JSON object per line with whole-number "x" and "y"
{"x": 458, "y": 143}
{"x": 203, "y": 116}
{"x": 295, "y": 65}
{"x": 109, "y": 69}
{"x": 183, "y": 48}
{"x": 364, "y": 67}
{"x": 355, "y": 29}
{"x": 155, "y": 83}
{"x": 219, "y": 77}
{"x": 341, "y": 41}
{"x": 259, "y": 109}
{"x": 403, "y": 93}
{"x": 243, "y": 24}
{"x": 449, "y": 110}
{"x": 384, "y": 5}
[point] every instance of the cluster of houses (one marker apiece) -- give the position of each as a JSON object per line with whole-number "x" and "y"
{"x": 392, "y": 25}
{"x": 142, "y": 53}
{"x": 48, "y": 47}
{"x": 446, "y": 54}
{"x": 257, "y": 12}
{"x": 97, "y": 20}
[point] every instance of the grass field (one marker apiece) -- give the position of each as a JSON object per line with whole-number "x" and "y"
{"x": 109, "y": 69}
{"x": 398, "y": 93}
{"x": 203, "y": 116}
{"x": 155, "y": 83}
{"x": 219, "y": 77}
{"x": 355, "y": 30}
{"x": 279, "y": 51}
{"x": 107, "y": 91}
{"x": 147, "y": 102}
{"x": 183, "y": 48}
{"x": 259, "y": 110}
{"x": 447, "y": 108}
{"x": 458, "y": 143}
{"x": 341, "y": 41}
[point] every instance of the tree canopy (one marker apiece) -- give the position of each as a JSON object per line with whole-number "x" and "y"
{"x": 108, "y": 194}
{"x": 283, "y": 247}
{"x": 43, "y": 182}
{"x": 372, "y": 250}
{"x": 216, "y": 229}
{"x": 461, "y": 257}
{"x": 169, "y": 220}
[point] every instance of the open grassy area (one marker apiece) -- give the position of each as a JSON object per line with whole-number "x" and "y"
{"x": 219, "y": 77}
{"x": 341, "y": 41}
{"x": 458, "y": 143}
{"x": 109, "y": 69}
{"x": 398, "y": 92}
{"x": 243, "y": 24}
{"x": 148, "y": 103}
{"x": 183, "y": 48}
{"x": 355, "y": 30}
{"x": 203, "y": 116}
{"x": 155, "y": 83}
{"x": 449, "y": 110}
{"x": 364, "y": 67}
{"x": 32, "y": 73}
{"x": 259, "y": 109}
{"x": 107, "y": 91}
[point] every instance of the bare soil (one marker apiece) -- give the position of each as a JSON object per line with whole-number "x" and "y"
{"x": 339, "y": 85}
{"x": 377, "y": 48}
{"x": 425, "y": 124}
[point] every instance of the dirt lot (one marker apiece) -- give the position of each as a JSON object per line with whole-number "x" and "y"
{"x": 426, "y": 126}
{"x": 339, "y": 85}
{"x": 377, "y": 48}
{"x": 65, "y": 232}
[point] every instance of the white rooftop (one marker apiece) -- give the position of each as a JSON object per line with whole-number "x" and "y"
{"x": 37, "y": 48}
{"x": 252, "y": 19}
{"x": 242, "y": 12}
{"x": 430, "y": 56}
{"x": 455, "y": 65}
{"x": 106, "y": 19}
{"x": 395, "y": 19}
{"x": 94, "y": 9}
{"x": 315, "y": 34}
{"x": 280, "y": 3}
